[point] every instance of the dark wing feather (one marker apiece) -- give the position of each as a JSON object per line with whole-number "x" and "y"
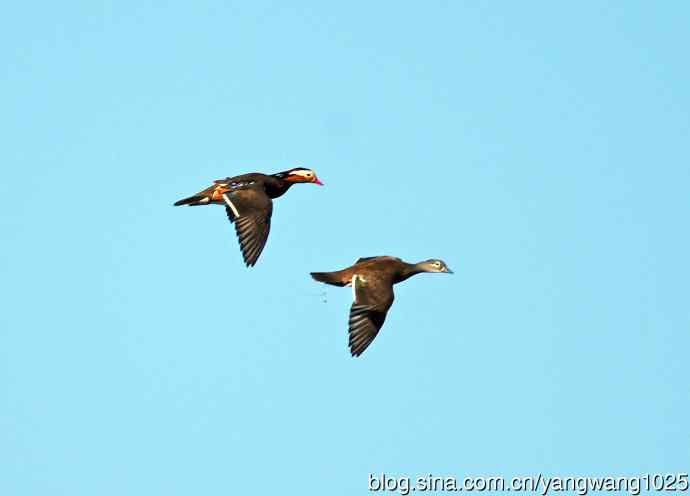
{"x": 364, "y": 259}
{"x": 253, "y": 223}
{"x": 373, "y": 297}
{"x": 380, "y": 257}
{"x": 365, "y": 323}
{"x": 240, "y": 182}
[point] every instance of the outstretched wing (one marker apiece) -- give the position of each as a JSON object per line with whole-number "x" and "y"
{"x": 373, "y": 296}
{"x": 250, "y": 209}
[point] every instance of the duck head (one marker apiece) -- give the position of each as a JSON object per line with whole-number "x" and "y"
{"x": 434, "y": 265}
{"x": 299, "y": 175}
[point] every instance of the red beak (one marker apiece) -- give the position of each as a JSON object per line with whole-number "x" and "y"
{"x": 316, "y": 181}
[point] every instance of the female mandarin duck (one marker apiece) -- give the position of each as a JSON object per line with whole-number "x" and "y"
{"x": 248, "y": 204}
{"x": 372, "y": 280}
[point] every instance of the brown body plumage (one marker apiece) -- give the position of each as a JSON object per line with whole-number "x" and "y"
{"x": 248, "y": 204}
{"x": 372, "y": 280}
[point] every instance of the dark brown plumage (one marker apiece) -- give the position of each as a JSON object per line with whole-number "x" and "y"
{"x": 372, "y": 280}
{"x": 248, "y": 204}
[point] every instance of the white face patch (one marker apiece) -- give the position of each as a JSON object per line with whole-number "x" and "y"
{"x": 304, "y": 173}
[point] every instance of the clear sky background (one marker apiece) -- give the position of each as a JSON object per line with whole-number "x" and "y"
{"x": 539, "y": 148}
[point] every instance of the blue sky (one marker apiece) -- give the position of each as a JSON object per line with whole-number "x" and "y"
{"x": 539, "y": 148}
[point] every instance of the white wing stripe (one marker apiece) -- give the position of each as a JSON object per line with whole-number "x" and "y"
{"x": 231, "y": 205}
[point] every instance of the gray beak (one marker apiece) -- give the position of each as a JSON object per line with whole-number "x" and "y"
{"x": 448, "y": 271}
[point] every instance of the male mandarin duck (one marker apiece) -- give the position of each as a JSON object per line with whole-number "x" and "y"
{"x": 248, "y": 204}
{"x": 372, "y": 280}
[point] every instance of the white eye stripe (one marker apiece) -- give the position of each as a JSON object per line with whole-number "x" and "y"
{"x": 303, "y": 173}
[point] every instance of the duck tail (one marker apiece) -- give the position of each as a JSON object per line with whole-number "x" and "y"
{"x": 328, "y": 278}
{"x": 192, "y": 201}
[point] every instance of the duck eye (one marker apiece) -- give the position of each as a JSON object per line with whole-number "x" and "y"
{"x": 437, "y": 264}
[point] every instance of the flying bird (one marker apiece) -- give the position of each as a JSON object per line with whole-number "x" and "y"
{"x": 248, "y": 204}
{"x": 372, "y": 280}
